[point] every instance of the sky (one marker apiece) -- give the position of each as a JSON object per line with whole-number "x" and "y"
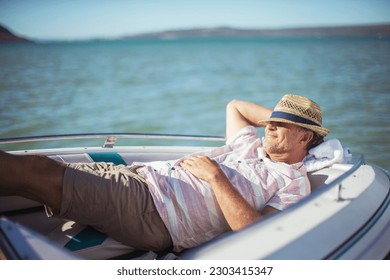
{"x": 89, "y": 19}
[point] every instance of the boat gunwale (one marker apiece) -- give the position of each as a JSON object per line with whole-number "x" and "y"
{"x": 338, "y": 252}
{"x": 110, "y": 138}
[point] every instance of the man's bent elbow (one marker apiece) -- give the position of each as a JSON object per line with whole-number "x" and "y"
{"x": 232, "y": 104}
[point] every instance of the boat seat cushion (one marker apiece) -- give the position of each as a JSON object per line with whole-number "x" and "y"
{"x": 91, "y": 244}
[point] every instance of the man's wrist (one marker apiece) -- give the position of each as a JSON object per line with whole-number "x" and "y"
{"x": 216, "y": 177}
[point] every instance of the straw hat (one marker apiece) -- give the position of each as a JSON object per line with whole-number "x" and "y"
{"x": 300, "y": 111}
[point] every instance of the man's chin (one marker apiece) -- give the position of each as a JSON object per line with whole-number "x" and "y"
{"x": 270, "y": 149}
{"x": 266, "y": 146}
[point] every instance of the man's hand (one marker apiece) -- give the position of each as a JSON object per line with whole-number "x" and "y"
{"x": 241, "y": 113}
{"x": 202, "y": 167}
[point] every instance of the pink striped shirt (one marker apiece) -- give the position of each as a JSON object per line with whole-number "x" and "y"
{"x": 188, "y": 206}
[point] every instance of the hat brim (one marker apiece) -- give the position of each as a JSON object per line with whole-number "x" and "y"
{"x": 318, "y": 129}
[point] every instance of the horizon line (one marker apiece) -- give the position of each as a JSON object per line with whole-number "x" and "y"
{"x": 198, "y": 28}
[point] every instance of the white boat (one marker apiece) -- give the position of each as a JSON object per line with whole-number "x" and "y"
{"x": 347, "y": 216}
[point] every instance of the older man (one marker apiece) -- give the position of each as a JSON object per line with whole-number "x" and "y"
{"x": 186, "y": 202}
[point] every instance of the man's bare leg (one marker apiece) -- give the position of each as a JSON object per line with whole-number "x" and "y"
{"x": 32, "y": 176}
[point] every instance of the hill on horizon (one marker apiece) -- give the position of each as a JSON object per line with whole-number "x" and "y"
{"x": 381, "y": 30}
{"x": 6, "y": 36}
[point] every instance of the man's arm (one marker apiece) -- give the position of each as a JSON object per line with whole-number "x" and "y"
{"x": 236, "y": 210}
{"x": 241, "y": 113}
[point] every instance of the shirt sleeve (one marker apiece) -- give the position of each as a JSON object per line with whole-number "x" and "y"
{"x": 290, "y": 194}
{"x": 244, "y": 135}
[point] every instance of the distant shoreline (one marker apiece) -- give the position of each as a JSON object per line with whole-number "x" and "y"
{"x": 381, "y": 30}
{"x": 376, "y": 31}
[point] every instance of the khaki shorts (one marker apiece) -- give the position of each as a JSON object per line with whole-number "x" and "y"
{"x": 115, "y": 200}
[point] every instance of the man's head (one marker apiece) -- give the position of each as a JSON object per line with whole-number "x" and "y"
{"x": 293, "y": 128}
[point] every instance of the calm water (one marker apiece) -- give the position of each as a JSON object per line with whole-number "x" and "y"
{"x": 183, "y": 86}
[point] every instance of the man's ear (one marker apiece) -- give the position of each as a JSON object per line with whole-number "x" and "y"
{"x": 307, "y": 136}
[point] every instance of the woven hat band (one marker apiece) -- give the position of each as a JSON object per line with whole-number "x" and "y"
{"x": 292, "y": 117}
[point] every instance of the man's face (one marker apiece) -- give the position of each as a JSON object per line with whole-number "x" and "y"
{"x": 282, "y": 138}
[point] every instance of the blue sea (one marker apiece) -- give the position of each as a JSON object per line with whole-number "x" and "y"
{"x": 182, "y": 86}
